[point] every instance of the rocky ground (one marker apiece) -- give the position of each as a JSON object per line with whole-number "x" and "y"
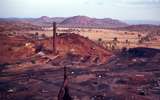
{"x": 132, "y": 74}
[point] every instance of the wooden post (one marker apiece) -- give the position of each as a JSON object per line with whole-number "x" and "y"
{"x": 64, "y": 91}
{"x": 54, "y": 37}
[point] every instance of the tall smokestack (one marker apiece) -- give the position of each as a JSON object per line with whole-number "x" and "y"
{"x": 54, "y": 37}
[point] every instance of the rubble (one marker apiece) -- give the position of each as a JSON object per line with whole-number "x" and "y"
{"x": 39, "y": 75}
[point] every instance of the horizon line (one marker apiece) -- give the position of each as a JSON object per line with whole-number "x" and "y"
{"x": 79, "y": 15}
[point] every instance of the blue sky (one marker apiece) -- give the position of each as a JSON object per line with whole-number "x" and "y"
{"x": 118, "y": 9}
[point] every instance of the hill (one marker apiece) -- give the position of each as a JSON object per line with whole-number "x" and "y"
{"x": 46, "y": 21}
{"x": 72, "y": 46}
{"x": 16, "y": 25}
{"x": 84, "y": 21}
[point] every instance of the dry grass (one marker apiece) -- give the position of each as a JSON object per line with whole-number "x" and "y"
{"x": 107, "y": 35}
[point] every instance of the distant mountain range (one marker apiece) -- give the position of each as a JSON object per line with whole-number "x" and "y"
{"x": 84, "y": 22}
{"x": 75, "y": 21}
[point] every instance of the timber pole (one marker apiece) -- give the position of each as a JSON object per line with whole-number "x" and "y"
{"x": 54, "y": 37}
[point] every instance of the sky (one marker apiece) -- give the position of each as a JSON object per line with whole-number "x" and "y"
{"x": 116, "y": 9}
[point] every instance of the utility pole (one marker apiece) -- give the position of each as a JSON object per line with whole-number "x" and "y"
{"x": 54, "y": 37}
